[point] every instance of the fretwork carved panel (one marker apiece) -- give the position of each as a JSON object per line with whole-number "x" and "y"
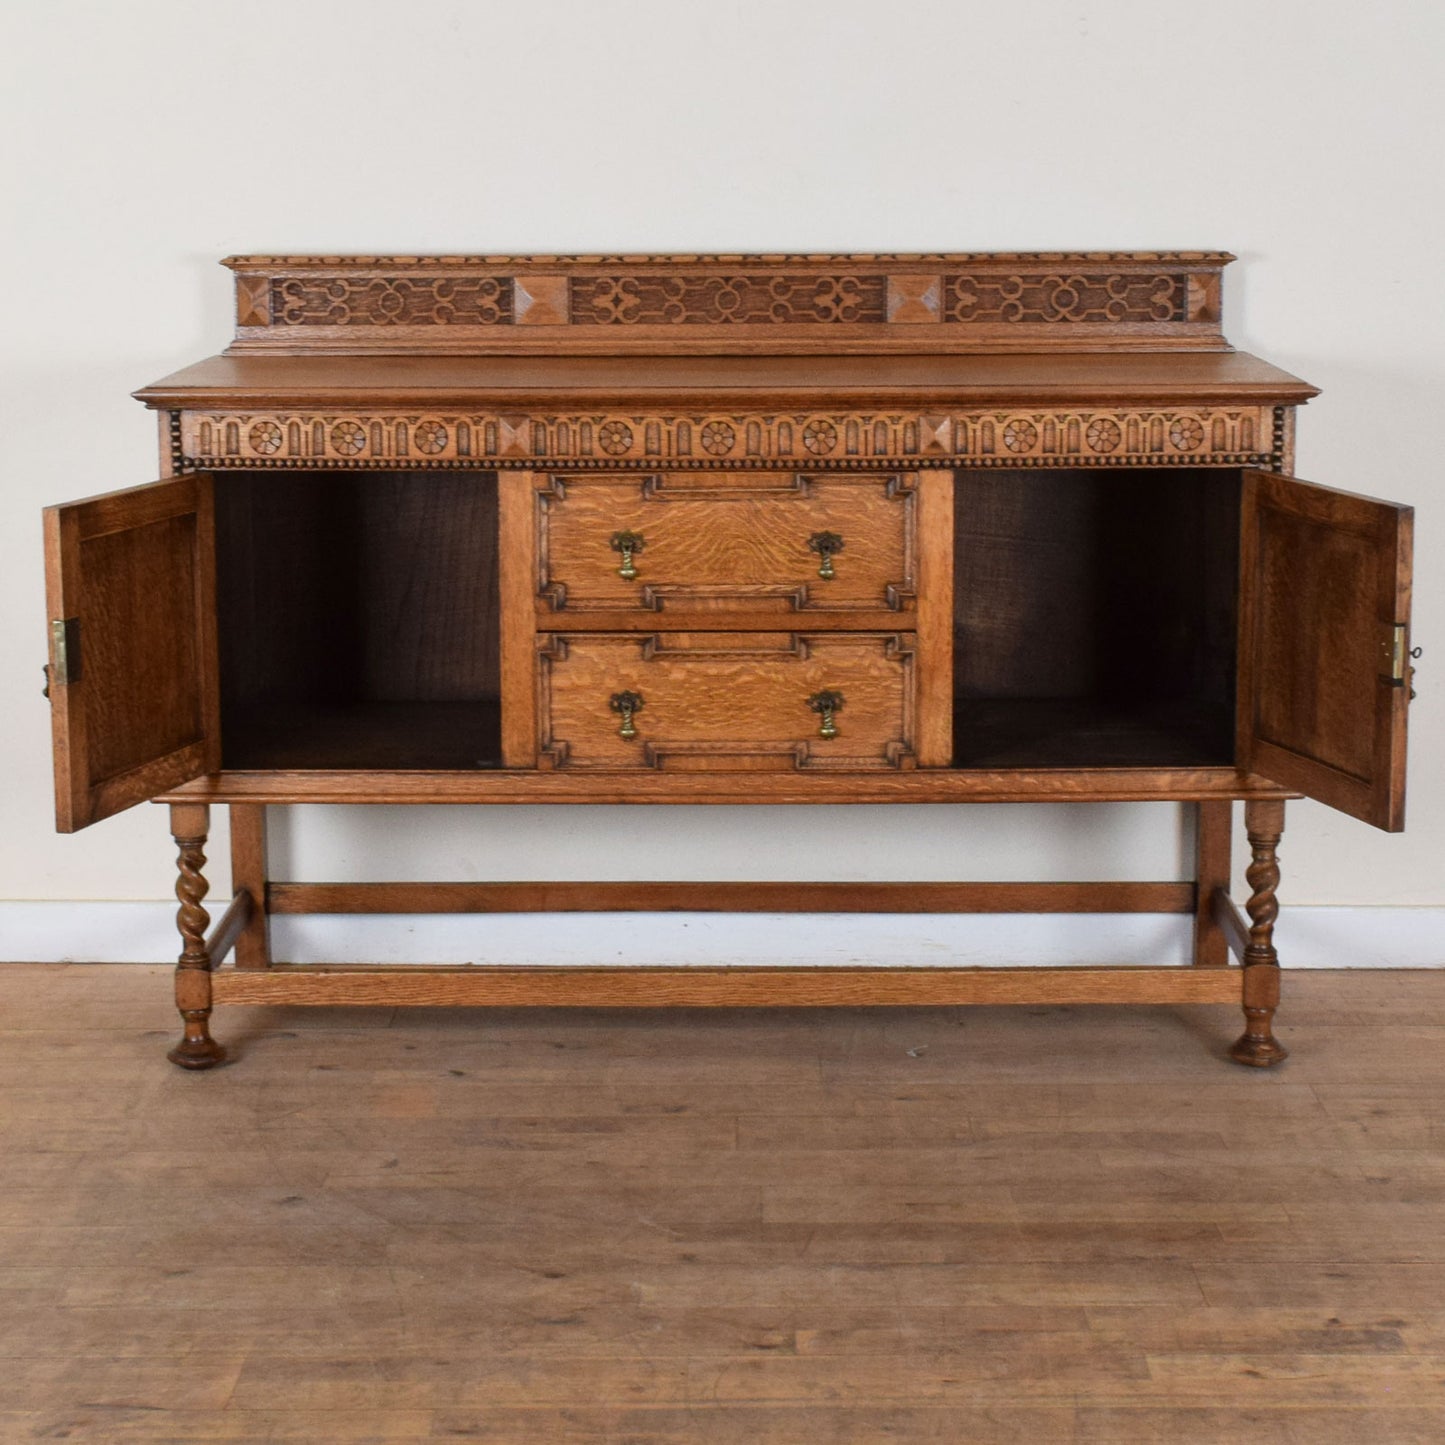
{"x": 1224, "y": 436}
{"x": 967, "y": 302}
{"x": 691, "y": 300}
{"x": 1066, "y": 297}
{"x": 391, "y": 301}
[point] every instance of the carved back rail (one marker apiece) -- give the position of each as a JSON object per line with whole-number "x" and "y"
{"x": 968, "y": 302}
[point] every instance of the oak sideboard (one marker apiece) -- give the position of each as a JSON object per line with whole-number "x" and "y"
{"x": 638, "y": 530}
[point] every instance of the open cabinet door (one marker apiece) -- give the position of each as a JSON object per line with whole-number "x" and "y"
{"x": 130, "y": 587}
{"x": 1323, "y": 644}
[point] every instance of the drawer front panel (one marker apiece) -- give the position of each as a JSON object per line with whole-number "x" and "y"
{"x": 740, "y": 701}
{"x": 726, "y": 542}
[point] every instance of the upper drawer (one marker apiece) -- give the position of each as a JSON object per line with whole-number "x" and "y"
{"x": 726, "y": 542}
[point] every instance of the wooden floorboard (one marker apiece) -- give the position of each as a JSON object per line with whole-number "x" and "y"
{"x": 1046, "y": 1223}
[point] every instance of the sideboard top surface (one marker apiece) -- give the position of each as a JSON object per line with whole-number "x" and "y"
{"x": 1018, "y": 378}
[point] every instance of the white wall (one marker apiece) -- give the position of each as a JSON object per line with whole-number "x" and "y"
{"x": 146, "y": 140}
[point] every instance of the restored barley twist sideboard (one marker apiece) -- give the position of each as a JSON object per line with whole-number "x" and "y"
{"x": 728, "y": 529}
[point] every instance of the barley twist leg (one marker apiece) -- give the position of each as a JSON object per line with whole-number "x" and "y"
{"x": 197, "y": 1049}
{"x": 1264, "y": 825}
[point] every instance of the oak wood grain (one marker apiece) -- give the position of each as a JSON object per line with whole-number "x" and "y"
{"x": 228, "y": 929}
{"x": 702, "y": 987}
{"x": 249, "y": 872}
{"x": 726, "y": 701}
{"x": 721, "y": 542}
{"x": 1010, "y": 785}
{"x": 759, "y": 897}
{"x": 517, "y": 569}
{"x": 934, "y": 638}
{"x": 135, "y": 572}
{"x": 705, "y": 382}
{"x": 1325, "y": 577}
{"x": 1212, "y": 868}
{"x": 1231, "y": 922}
{"x": 196, "y": 1049}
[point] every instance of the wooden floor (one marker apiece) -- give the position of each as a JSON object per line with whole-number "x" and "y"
{"x": 963, "y": 1226}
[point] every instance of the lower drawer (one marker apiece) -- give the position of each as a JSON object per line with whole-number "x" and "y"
{"x": 726, "y": 701}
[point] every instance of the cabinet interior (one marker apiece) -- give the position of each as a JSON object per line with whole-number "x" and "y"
{"x": 358, "y": 619}
{"x": 1095, "y": 617}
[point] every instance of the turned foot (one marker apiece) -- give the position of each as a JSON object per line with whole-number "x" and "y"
{"x": 197, "y": 1049}
{"x": 1257, "y": 1045}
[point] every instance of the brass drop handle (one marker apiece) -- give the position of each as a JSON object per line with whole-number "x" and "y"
{"x": 827, "y": 704}
{"x": 45, "y": 691}
{"x": 627, "y": 705}
{"x": 628, "y": 544}
{"x": 827, "y": 545}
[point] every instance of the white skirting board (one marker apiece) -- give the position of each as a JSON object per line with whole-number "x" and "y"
{"x": 1307, "y": 937}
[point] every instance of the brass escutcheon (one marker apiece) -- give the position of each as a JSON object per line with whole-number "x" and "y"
{"x": 626, "y": 705}
{"x": 629, "y": 544}
{"x": 827, "y": 704}
{"x": 827, "y": 545}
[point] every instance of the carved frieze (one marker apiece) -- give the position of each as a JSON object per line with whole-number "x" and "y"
{"x": 1237, "y": 435}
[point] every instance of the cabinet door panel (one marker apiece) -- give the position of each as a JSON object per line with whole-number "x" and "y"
{"x": 1325, "y": 584}
{"x": 130, "y": 587}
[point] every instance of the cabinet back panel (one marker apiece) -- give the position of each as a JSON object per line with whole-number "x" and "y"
{"x": 355, "y": 592}
{"x": 1110, "y": 588}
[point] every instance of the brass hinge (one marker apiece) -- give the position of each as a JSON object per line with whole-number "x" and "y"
{"x": 65, "y": 650}
{"x": 1396, "y": 647}
{"x": 1395, "y": 654}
